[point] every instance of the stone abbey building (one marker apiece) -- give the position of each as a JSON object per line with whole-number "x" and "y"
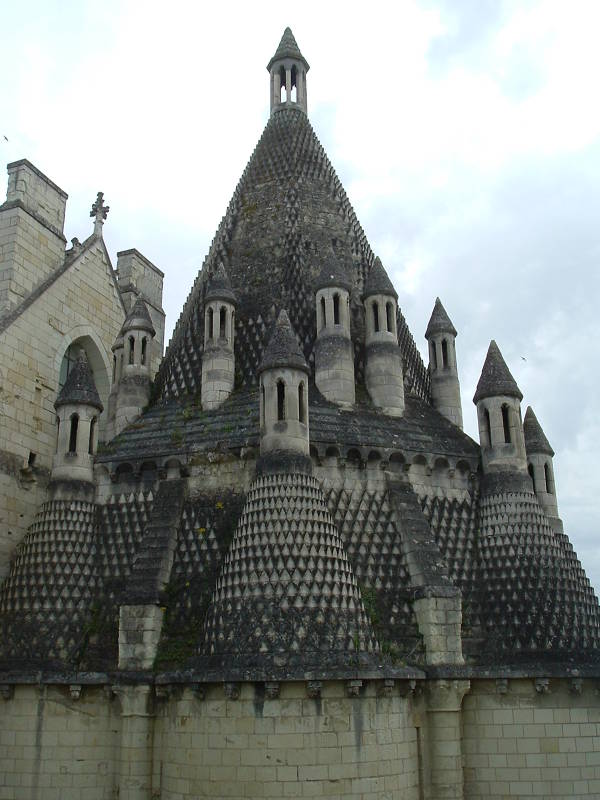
{"x": 271, "y": 564}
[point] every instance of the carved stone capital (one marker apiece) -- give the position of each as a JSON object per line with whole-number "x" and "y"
{"x": 75, "y": 690}
{"x": 7, "y": 690}
{"x": 313, "y": 689}
{"x": 272, "y": 690}
{"x": 232, "y": 691}
{"x": 446, "y": 695}
{"x": 134, "y": 700}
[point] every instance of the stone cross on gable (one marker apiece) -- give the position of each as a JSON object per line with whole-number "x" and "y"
{"x": 100, "y": 212}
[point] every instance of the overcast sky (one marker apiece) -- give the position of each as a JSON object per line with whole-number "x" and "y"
{"x": 466, "y": 134}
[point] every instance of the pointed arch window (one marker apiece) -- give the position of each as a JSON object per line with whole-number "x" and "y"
{"x": 445, "y": 361}
{"x": 433, "y": 354}
{"x": 131, "y": 349}
{"x": 336, "y": 309}
{"x": 323, "y": 313}
{"x": 389, "y": 316}
{"x": 531, "y": 472}
{"x": 114, "y": 368}
{"x": 144, "y": 346}
{"x": 92, "y": 442}
{"x": 280, "y": 400}
{"x": 488, "y": 426}
{"x": 209, "y": 324}
{"x": 376, "y": 317}
{"x": 506, "y": 423}
{"x": 222, "y": 322}
{"x": 283, "y": 90}
{"x": 73, "y": 433}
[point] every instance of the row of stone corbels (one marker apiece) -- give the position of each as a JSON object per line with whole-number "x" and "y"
{"x": 392, "y": 459}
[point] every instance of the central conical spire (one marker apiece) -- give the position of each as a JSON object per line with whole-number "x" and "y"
{"x": 288, "y": 69}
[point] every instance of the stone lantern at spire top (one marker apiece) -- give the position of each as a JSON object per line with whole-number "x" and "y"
{"x": 99, "y": 212}
{"x": 288, "y": 69}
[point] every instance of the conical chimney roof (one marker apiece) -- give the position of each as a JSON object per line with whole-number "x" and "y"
{"x": 495, "y": 377}
{"x": 138, "y": 318}
{"x": 287, "y": 595}
{"x": 378, "y": 281}
{"x": 333, "y": 274}
{"x": 439, "y": 321}
{"x": 288, "y": 48}
{"x": 283, "y": 349}
{"x": 535, "y": 438}
{"x": 79, "y": 388}
{"x": 219, "y": 286}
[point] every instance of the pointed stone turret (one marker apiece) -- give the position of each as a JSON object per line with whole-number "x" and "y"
{"x": 334, "y": 354}
{"x": 283, "y": 395}
{"x": 288, "y": 69}
{"x": 383, "y": 359}
{"x": 218, "y": 360}
{"x": 78, "y": 408}
{"x": 445, "y": 387}
{"x": 540, "y": 467}
{"x": 498, "y": 401}
{"x": 133, "y": 389}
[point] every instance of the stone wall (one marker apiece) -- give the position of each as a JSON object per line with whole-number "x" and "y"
{"x": 82, "y": 304}
{"x": 53, "y": 747}
{"x": 292, "y": 746}
{"x": 522, "y": 740}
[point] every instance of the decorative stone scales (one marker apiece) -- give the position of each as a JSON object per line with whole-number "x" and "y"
{"x": 288, "y": 562}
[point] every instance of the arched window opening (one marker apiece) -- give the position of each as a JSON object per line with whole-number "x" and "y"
{"x": 232, "y": 326}
{"x": 283, "y": 92}
{"x": 92, "y": 436}
{"x": 445, "y": 352}
{"x": 336, "y": 309}
{"x": 57, "y": 432}
{"x": 209, "y": 327}
{"x": 548, "y": 479}
{"x": 262, "y": 405}
{"x": 531, "y": 475}
{"x": 506, "y": 424}
{"x": 73, "y": 434}
{"x": 389, "y": 316}
{"x": 301, "y": 403}
{"x": 323, "y": 313}
{"x": 69, "y": 359}
{"x": 114, "y": 368}
{"x": 433, "y": 354}
{"x": 376, "y": 317}
{"x": 131, "y": 349}
{"x": 144, "y": 345}
{"x": 488, "y": 426}
{"x": 294, "y": 85}
{"x": 222, "y": 322}
{"x": 280, "y": 400}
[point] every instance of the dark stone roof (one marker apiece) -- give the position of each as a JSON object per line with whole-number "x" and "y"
{"x": 274, "y": 238}
{"x": 535, "y": 438}
{"x": 138, "y": 318}
{"x": 378, "y": 281}
{"x": 219, "y": 286}
{"x": 439, "y": 322}
{"x": 333, "y": 274}
{"x": 79, "y": 387}
{"x": 288, "y": 48}
{"x": 283, "y": 349}
{"x": 495, "y": 377}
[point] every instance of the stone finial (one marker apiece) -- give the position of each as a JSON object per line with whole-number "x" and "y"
{"x": 288, "y": 48}
{"x": 99, "y": 212}
{"x": 496, "y": 378}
